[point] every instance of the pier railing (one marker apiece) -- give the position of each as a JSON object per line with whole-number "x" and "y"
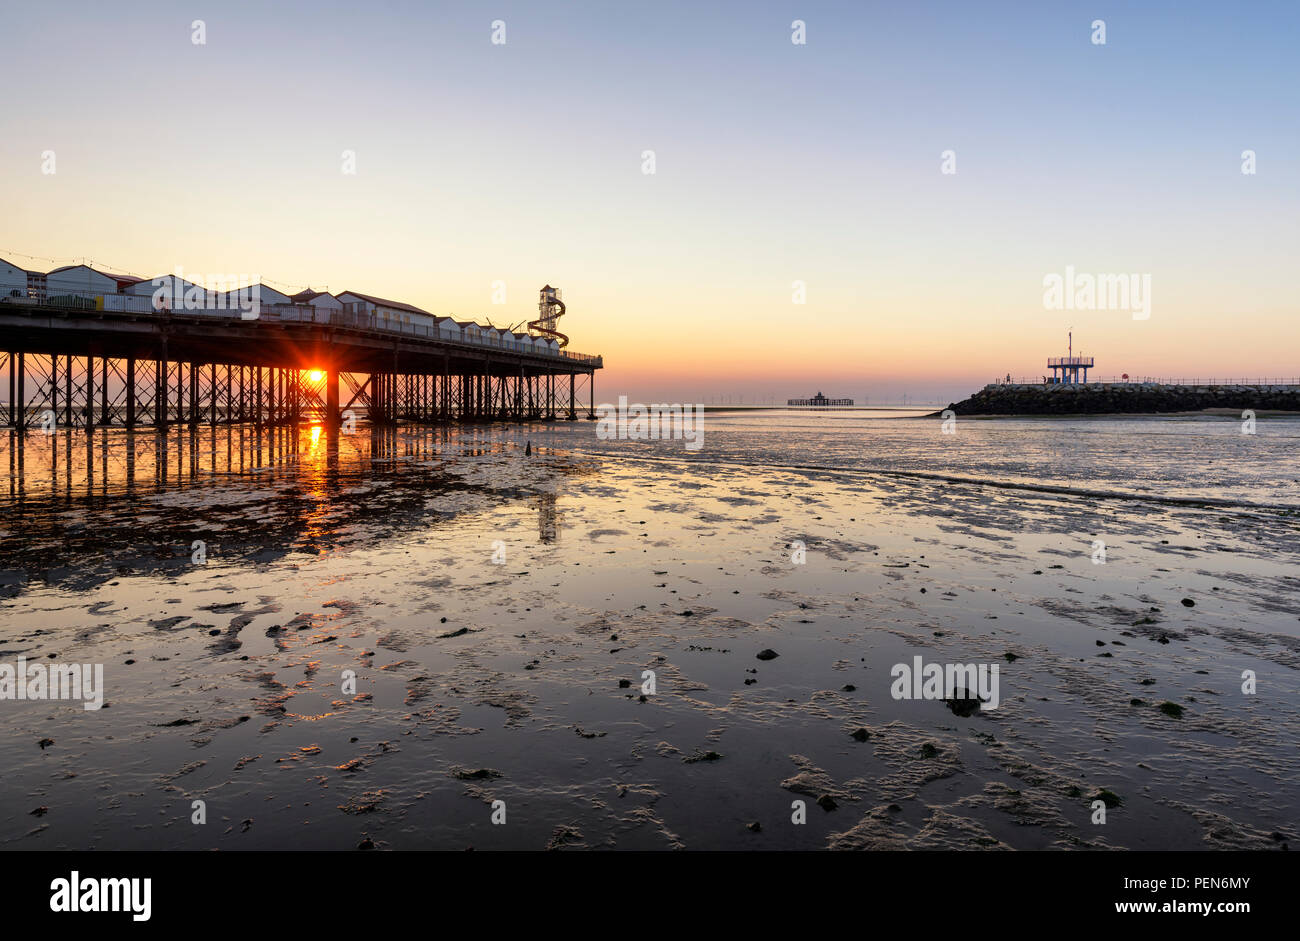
{"x": 143, "y": 306}
{"x": 1149, "y": 381}
{"x": 1070, "y": 361}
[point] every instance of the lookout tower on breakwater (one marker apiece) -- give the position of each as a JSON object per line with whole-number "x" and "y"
{"x": 1066, "y": 369}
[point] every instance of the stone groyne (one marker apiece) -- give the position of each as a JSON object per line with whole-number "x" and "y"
{"x": 1104, "y": 398}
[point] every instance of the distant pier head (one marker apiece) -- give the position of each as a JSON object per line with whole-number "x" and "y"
{"x": 818, "y": 401}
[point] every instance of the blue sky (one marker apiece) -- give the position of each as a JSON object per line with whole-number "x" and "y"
{"x": 774, "y": 162}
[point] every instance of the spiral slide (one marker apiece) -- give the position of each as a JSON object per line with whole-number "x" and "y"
{"x": 550, "y": 309}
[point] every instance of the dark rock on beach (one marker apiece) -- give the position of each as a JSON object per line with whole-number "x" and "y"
{"x": 1109, "y": 798}
{"x": 963, "y": 703}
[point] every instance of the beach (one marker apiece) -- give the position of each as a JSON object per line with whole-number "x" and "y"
{"x": 389, "y": 632}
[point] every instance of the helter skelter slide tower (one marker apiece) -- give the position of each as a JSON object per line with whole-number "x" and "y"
{"x": 550, "y": 308}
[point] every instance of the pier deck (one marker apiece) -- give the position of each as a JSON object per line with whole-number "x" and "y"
{"x": 79, "y": 366}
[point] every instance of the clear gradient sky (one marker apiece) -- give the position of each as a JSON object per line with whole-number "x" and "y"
{"x": 775, "y": 162}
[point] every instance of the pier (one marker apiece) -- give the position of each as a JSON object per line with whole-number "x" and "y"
{"x": 819, "y": 401}
{"x": 69, "y": 361}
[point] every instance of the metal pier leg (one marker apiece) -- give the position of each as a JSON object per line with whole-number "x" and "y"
{"x": 159, "y": 392}
{"x": 67, "y": 399}
{"x": 21, "y": 417}
{"x": 88, "y": 413}
{"x": 105, "y": 416}
{"x": 332, "y": 398}
{"x": 130, "y": 392}
{"x": 195, "y": 369}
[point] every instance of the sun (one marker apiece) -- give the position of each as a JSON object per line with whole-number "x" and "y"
{"x": 315, "y": 375}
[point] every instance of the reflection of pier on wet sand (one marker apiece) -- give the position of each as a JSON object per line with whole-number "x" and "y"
{"x": 257, "y": 492}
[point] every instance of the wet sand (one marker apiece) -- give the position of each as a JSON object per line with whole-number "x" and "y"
{"x": 521, "y": 681}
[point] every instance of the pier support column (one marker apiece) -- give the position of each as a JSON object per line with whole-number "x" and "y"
{"x": 130, "y": 392}
{"x": 446, "y": 388}
{"x": 160, "y": 391}
{"x": 105, "y": 413}
{"x": 21, "y": 415}
{"x": 88, "y": 413}
{"x": 54, "y": 388}
{"x": 256, "y": 392}
{"x": 332, "y": 398}
{"x": 68, "y": 417}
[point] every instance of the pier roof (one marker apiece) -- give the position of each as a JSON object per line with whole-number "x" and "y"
{"x": 382, "y": 302}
